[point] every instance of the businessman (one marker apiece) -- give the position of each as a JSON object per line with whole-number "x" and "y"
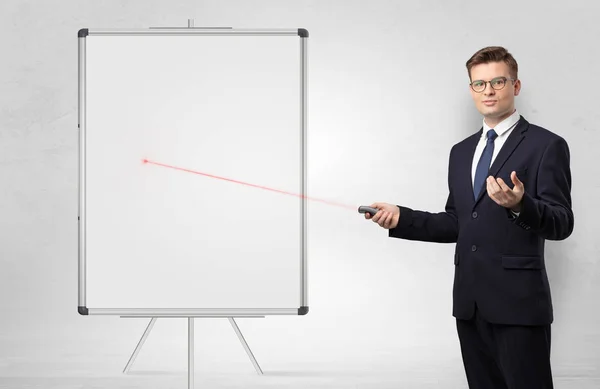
{"x": 509, "y": 190}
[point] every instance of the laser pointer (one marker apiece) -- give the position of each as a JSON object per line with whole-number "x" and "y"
{"x": 365, "y": 209}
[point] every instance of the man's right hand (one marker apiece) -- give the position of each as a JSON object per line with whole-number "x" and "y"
{"x": 387, "y": 216}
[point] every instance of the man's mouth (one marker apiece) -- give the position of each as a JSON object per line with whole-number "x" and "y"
{"x": 489, "y": 102}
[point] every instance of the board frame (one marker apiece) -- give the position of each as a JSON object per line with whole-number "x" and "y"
{"x": 82, "y": 308}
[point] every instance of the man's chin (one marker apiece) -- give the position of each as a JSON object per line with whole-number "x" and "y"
{"x": 490, "y": 112}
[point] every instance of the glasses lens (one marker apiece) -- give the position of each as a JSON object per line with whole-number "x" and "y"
{"x": 478, "y": 85}
{"x": 498, "y": 83}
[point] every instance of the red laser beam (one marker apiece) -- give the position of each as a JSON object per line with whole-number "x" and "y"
{"x": 146, "y": 161}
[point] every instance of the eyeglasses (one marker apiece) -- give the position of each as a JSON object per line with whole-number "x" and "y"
{"x": 496, "y": 84}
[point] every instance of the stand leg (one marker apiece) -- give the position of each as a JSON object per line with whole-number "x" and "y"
{"x": 190, "y": 352}
{"x": 139, "y": 345}
{"x": 248, "y": 351}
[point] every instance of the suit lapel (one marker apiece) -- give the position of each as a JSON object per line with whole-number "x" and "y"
{"x": 513, "y": 140}
{"x": 469, "y": 164}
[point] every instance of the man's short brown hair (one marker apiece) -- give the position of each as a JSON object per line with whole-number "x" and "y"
{"x": 494, "y": 54}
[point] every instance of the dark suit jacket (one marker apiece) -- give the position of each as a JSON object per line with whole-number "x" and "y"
{"x": 499, "y": 259}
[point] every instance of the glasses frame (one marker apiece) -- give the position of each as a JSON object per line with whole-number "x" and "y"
{"x": 490, "y": 82}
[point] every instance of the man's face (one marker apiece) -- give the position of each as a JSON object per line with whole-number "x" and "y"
{"x": 494, "y": 105}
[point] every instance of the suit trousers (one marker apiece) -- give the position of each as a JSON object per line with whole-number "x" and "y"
{"x": 497, "y": 356}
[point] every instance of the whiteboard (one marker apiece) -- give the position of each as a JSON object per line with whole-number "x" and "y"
{"x": 192, "y": 179}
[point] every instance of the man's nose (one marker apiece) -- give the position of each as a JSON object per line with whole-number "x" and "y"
{"x": 488, "y": 89}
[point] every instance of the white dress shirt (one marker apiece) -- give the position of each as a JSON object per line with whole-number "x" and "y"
{"x": 503, "y": 129}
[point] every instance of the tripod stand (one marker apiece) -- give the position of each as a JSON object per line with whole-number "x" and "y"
{"x": 191, "y": 348}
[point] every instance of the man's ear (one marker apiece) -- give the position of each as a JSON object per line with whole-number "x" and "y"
{"x": 517, "y": 87}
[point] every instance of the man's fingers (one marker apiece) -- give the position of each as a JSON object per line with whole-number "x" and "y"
{"x": 505, "y": 188}
{"x": 388, "y": 220}
{"x": 502, "y": 193}
{"x": 516, "y": 180}
{"x": 380, "y": 219}
{"x": 490, "y": 188}
{"x": 377, "y": 216}
{"x": 493, "y": 190}
{"x": 493, "y": 184}
{"x": 385, "y": 220}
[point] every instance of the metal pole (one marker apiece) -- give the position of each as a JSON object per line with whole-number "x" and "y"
{"x": 190, "y": 352}
{"x": 246, "y": 347}
{"x": 139, "y": 345}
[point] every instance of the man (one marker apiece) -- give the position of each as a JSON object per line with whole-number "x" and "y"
{"x": 509, "y": 191}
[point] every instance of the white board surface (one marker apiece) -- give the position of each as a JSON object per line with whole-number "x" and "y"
{"x": 192, "y": 174}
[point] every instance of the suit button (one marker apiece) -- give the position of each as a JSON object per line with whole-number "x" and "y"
{"x": 474, "y": 214}
{"x": 473, "y": 248}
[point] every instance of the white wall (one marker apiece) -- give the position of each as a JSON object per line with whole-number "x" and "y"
{"x": 388, "y": 97}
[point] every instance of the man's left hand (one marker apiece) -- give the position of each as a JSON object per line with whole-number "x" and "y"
{"x": 503, "y": 195}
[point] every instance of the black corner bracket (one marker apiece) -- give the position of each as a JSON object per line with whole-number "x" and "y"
{"x": 83, "y": 33}
{"x": 82, "y": 310}
{"x": 302, "y": 310}
{"x": 303, "y": 32}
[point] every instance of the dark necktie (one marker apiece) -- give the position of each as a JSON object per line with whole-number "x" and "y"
{"x": 483, "y": 167}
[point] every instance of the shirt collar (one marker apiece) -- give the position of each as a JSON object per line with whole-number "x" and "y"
{"x": 504, "y": 125}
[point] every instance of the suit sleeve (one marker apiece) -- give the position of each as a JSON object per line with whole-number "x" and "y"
{"x": 548, "y": 212}
{"x": 441, "y": 227}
